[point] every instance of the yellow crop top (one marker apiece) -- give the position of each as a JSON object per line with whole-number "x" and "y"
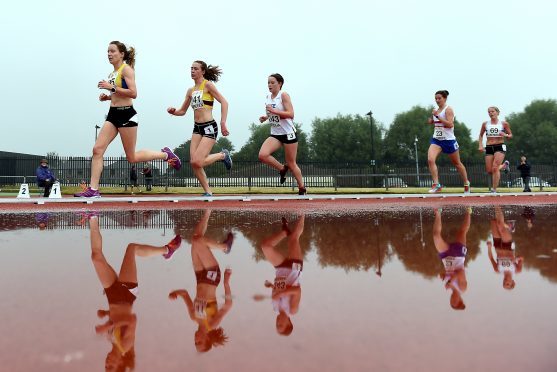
{"x": 115, "y": 78}
{"x": 200, "y": 98}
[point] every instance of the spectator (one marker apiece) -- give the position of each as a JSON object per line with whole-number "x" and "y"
{"x": 524, "y": 168}
{"x": 148, "y": 173}
{"x": 42, "y": 220}
{"x": 45, "y": 177}
{"x": 133, "y": 178}
{"x": 529, "y": 215}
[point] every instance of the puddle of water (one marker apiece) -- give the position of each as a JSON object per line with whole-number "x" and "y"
{"x": 380, "y": 290}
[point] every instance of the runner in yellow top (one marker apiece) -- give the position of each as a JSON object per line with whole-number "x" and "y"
{"x": 205, "y": 131}
{"x": 121, "y": 119}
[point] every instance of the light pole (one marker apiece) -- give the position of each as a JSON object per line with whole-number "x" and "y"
{"x": 96, "y": 131}
{"x": 417, "y": 166}
{"x": 370, "y": 114}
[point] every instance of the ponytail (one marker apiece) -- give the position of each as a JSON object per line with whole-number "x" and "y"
{"x": 211, "y": 73}
{"x": 129, "y": 53}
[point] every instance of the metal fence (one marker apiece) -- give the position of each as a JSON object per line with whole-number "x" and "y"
{"x": 71, "y": 171}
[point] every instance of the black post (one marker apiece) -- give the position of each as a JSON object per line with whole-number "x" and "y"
{"x": 370, "y": 114}
{"x": 96, "y": 132}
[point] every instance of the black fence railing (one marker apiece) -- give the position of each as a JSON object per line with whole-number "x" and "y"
{"x": 71, "y": 171}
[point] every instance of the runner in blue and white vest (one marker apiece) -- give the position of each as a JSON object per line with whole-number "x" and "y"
{"x": 444, "y": 141}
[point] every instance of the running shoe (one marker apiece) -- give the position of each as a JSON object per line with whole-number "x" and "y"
{"x": 228, "y": 241}
{"x": 282, "y": 173}
{"x": 467, "y": 187}
{"x": 172, "y": 246}
{"x": 207, "y": 194}
{"x": 88, "y": 193}
{"x": 506, "y": 166}
{"x": 435, "y": 188}
{"x": 85, "y": 216}
{"x": 285, "y": 225}
{"x": 172, "y": 159}
{"x": 511, "y": 225}
{"x": 302, "y": 191}
{"x": 227, "y": 159}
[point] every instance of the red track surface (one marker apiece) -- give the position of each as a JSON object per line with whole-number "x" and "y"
{"x": 402, "y": 202}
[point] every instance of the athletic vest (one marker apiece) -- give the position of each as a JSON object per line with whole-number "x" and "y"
{"x": 284, "y": 278}
{"x": 200, "y": 98}
{"x": 440, "y": 132}
{"x": 279, "y": 126}
{"x": 115, "y": 78}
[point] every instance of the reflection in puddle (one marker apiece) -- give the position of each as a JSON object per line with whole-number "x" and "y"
{"x": 453, "y": 255}
{"x": 221, "y": 289}
{"x": 203, "y": 309}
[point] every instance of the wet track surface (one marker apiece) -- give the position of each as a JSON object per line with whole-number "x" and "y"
{"x": 387, "y": 289}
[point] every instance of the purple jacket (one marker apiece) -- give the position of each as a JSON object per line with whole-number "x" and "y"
{"x": 44, "y": 173}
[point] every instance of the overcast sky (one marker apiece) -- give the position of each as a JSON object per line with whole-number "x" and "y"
{"x": 345, "y": 57}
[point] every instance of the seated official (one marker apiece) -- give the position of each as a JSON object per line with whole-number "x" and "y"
{"x": 45, "y": 177}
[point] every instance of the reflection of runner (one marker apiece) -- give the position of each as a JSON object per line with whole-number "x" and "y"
{"x": 204, "y": 309}
{"x": 121, "y": 290}
{"x": 505, "y": 262}
{"x": 444, "y": 140}
{"x": 279, "y": 113}
{"x": 496, "y": 131}
{"x": 453, "y": 256}
{"x": 286, "y": 292}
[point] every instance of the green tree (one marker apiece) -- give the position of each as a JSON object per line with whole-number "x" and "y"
{"x": 399, "y": 147}
{"x": 345, "y": 138}
{"x": 259, "y": 133}
{"x": 534, "y": 132}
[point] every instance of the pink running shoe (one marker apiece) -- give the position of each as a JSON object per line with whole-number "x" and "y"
{"x": 88, "y": 193}
{"x": 172, "y": 246}
{"x": 506, "y": 166}
{"x": 228, "y": 241}
{"x": 172, "y": 159}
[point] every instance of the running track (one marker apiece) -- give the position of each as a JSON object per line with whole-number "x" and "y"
{"x": 319, "y": 202}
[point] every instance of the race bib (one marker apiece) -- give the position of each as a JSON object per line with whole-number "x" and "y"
{"x": 450, "y": 263}
{"x": 505, "y": 262}
{"x": 492, "y": 131}
{"x": 274, "y": 120}
{"x": 280, "y": 283}
{"x": 197, "y": 99}
{"x": 209, "y": 129}
{"x": 439, "y": 133}
{"x": 212, "y": 275}
{"x": 291, "y": 136}
{"x": 112, "y": 77}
